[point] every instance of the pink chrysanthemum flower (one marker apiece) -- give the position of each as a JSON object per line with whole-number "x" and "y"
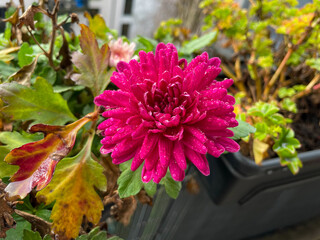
{"x": 120, "y": 51}
{"x": 167, "y": 111}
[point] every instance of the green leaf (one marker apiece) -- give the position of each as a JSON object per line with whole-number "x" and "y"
{"x": 242, "y": 130}
{"x": 30, "y": 235}
{"x": 40, "y": 103}
{"x": 93, "y": 232}
{"x": 6, "y": 70}
{"x": 47, "y": 237}
{"x": 129, "y": 182}
{"x": 62, "y": 88}
{"x": 146, "y": 44}
{"x": 25, "y": 55}
{"x": 100, "y": 236}
{"x": 261, "y": 131}
{"x": 150, "y": 187}
{"x": 289, "y": 105}
{"x": 199, "y": 43}
{"x": 115, "y": 238}
{"x": 314, "y": 63}
{"x": 171, "y": 186}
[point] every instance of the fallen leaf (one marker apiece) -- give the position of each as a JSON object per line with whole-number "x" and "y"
{"x": 92, "y": 64}
{"x": 23, "y": 76}
{"x": 259, "y": 150}
{"x": 37, "y": 160}
{"x": 27, "y": 18}
{"x": 73, "y": 190}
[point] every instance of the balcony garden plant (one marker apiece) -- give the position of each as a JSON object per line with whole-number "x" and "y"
{"x": 275, "y": 66}
{"x": 62, "y": 94}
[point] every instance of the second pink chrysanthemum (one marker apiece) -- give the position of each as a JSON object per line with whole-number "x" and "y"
{"x": 167, "y": 111}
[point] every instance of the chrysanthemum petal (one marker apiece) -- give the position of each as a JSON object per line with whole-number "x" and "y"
{"x": 229, "y": 144}
{"x": 176, "y": 172}
{"x": 165, "y": 151}
{"x": 179, "y": 156}
{"x": 199, "y": 160}
{"x": 148, "y": 144}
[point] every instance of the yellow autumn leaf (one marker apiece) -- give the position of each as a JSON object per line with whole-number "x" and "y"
{"x": 73, "y": 189}
{"x": 97, "y": 25}
{"x": 5, "y": 54}
{"x": 259, "y": 150}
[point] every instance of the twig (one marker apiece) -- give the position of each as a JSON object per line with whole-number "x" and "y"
{"x": 53, "y": 16}
{"x": 309, "y": 87}
{"x": 36, "y": 41}
{"x": 22, "y": 5}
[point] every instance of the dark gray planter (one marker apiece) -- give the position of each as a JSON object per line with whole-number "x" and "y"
{"x": 238, "y": 200}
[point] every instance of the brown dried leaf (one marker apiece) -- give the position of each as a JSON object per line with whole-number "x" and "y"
{"x": 23, "y": 76}
{"x": 6, "y": 220}
{"x": 14, "y": 18}
{"x": 27, "y": 18}
{"x": 123, "y": 209}
{"x": 193, "y": 186}
{"x": 64, "y": 51}
{"x": 144, "y": 198}
{"x": 112, "y": 173}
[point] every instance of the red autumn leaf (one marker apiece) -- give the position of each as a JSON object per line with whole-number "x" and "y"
{"x": 37, "y": 160}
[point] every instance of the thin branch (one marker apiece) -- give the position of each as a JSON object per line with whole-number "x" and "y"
{"x": 309, "y": 87}
{"x": 283, "y": 63}
{"x": 36, "y": 41}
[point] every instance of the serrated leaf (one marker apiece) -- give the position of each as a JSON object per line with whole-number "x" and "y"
{"x": 73, "y": 190}
{"x": 171, "y": 186}
{"x": 92, "y": 64}
{"x": 31, "y": 235}
{"x": 37, "y": 160}
{"x": 199, "y": 43}
{"x": 242, "y": 130}
{"x": 25, "y": 55}
{"x": 129, "y": 182}
{"x": 40, "y": 103}
{"x": 12, "y": 140}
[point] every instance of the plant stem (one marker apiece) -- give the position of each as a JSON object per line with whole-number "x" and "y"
{"x": 53, "y": 16}
{"x": 36, "y": 41}
{"x": 229, "y": 74}
{"x": 309, "y": 87}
